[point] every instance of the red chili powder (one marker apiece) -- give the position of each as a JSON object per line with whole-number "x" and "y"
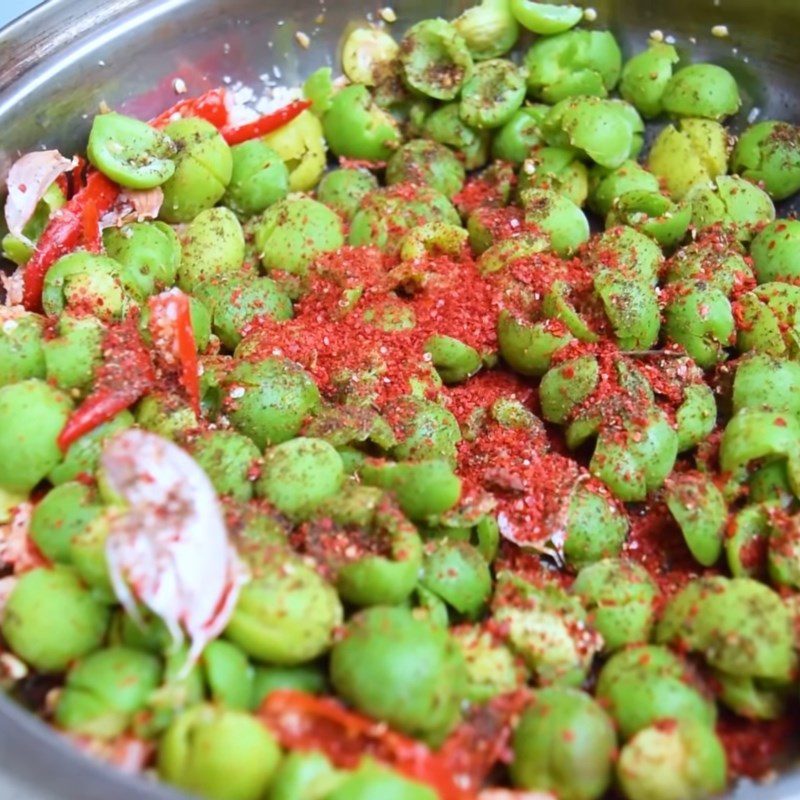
{"x": 336, "y": 332}
{"x": 755, "y": 747}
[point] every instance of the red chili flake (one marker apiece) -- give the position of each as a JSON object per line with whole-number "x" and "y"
{"x": 481, "y": 392}
{"x": 353, "y": 335}
{"x": 755, "y": 747}
{"x": 477, "y": 193}
{"x": 655, "y": 541}
{"x": 124, "y": 376}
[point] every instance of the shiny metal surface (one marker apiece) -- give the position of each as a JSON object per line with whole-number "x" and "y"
{"x": 64, "y": 58}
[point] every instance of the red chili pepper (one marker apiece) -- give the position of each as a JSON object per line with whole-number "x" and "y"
{"x": 210, "y": 106}
{"x": 481, "y": 741}
{"x": 173, "y": 337}
{"x": 305, "y": 722}
{"x": 66, "y": 230}
{"x": 266, "y": 124}
{"x": 78, "y": 175}
{"x": 123, "y": 378}
{"x": 92, "y": 236}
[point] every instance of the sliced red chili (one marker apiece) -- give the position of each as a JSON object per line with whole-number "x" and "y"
{"x": 266, "y": 124}
{"x": 210, "y": 106}
{"x": 305, "y": 722}
{"x": 66, "y": 230}
{"x": 173, "y": 337}
{"x": 482, "y": 740}
{"x": 125, "y": 375}
{"x": 92, "y": 236}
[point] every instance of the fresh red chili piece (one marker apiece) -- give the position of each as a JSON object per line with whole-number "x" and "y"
{"x": 66, "y": 230}
{"x": 125, "y": 375}
{"x": 92, "y": 236}
{"x": 266, "y": 124}
{"x": 305, "y": 722}
{"x": 173, "y": 338}
{"x": 78, "y": 175}
{"x": 210, "y": 106}
{"x": 482, "y": 740}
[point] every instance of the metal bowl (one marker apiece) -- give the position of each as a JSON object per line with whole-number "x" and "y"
{"x": 58, "y": 63}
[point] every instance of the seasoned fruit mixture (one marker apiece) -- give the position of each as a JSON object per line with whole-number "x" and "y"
{"x": 424, "y": 437}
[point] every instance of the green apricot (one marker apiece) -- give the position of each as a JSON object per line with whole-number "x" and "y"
{"x": 83, "y": 455}
{"x": 557, "y": 217}
{"x": 203, "y": 168}
{"x": 150, "y": 253}
{"x": 700, "y": 317}
{"x": 701, "y": 512}
{"x": 424, "y": 430}
{"x": 753, "y": 434}
{"x": 294, "y": 231}
{"x": 65, "y": 511}
{"x": 776, "y": 252}
{"x": 304, "y": 776}
{"x": 372, "y": 781}
{"x": 228, "y": 674}
{"x": 693, "y": 153}
{"x": 32, "y": 415}
{"x": 608, "y": 132}
{"x": 229, "y": 459}
{"x": 422, "y": 161}
{"x": 387, "y": 215}
{"x": 458, "y": 574}
{"x": 104, "y": 690}
{"x": 556, "y": 168}
{"x": 343, "y": 189}
{"x": 401, "y": 670}
{"x": 422, "y": 489}
{"x": 768, "y": 153}
{"x": 286, "y": 614}
{"x": 73, "y": 356}
{"x": 356, "y": 127}
{"x": 733, "y": 203}
{"x": 86, "y": 283}
{"x": 492, "y": 669}
{"x": 595, "y": 527}
{"x": 564, "y": 744}
{"x": 739, "y": 625}
{"x": 444, "y": 125}
{"x": 619, "y": 596}
{"x": 309, "y": 678}
{"x": 607, "y": 185}
{"x": 641, "y": 685}
{"x": 299, "y": 474}
{"x": 571, "y": 64}
{"x": 673, "y": 761}
{"x": 702, "y": 90}
{"x": 259, "y": 178}
{"x": 765, "y": 382}
{"x": 547, "y": 628}
{"x": 269, "y": 400}
{"x": 489, "y": 29}
{"x": 213, "y": 249}
{"x": 645, "y": 78}
{"x": 21, "y": 352}
{"x": 301, "y": 144}
{"x": 638, "y": 458}
{"x": 528, "y": 347}
{"x": 50, "y": 619}
{"x": 515, "y": 140}
{"x": 770, "y": 320}
{"x": 219, "y": 754}
{"x": 435, "y": 59}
